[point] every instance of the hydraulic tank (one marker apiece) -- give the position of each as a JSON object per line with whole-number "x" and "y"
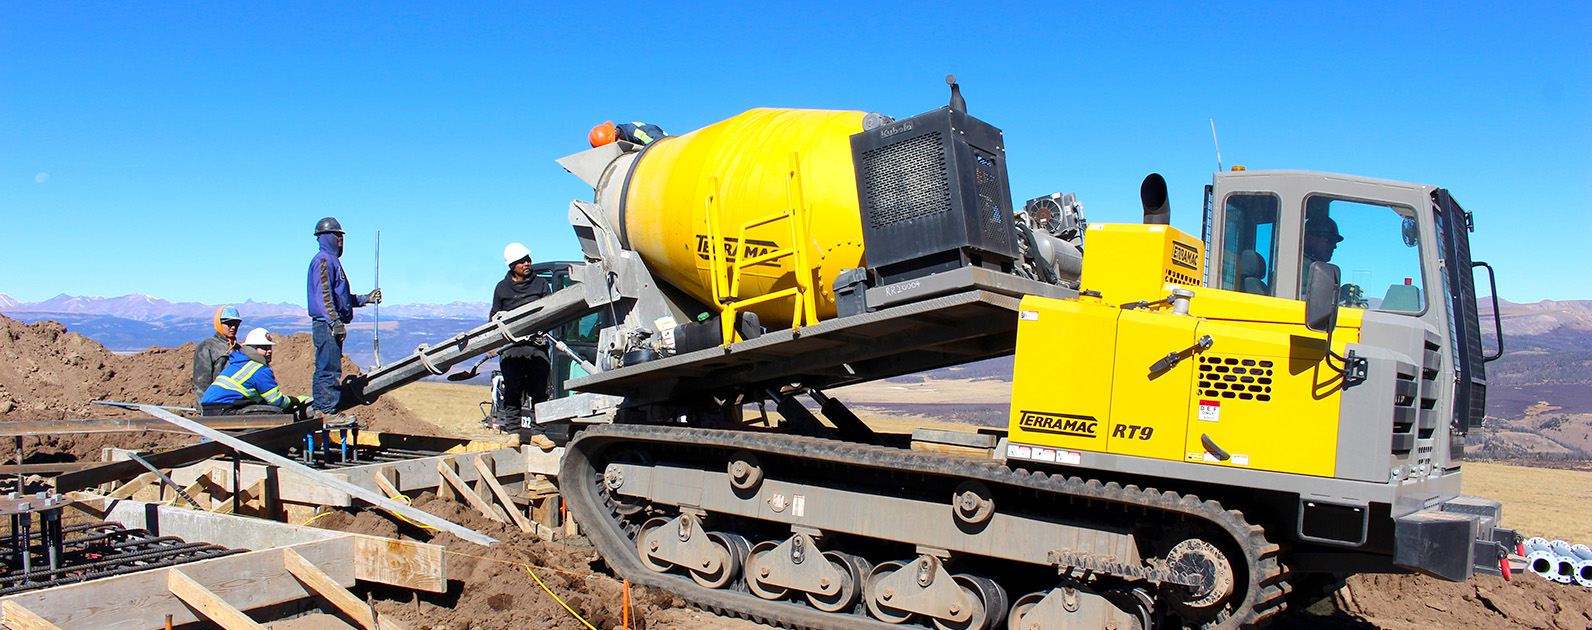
{"x": 669, "y": 192}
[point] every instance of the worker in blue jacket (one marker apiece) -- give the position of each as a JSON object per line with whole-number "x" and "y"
{"x": 247, "y": 385}
{"x": 331, "y": 307}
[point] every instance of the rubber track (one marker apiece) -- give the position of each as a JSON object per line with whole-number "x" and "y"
{"x": 583, "y": 493}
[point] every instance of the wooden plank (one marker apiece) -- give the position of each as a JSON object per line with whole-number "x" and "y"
{"x": 209, "y": 604}
{"x": 421, "y": 473}
{"x": 230, "y": 506}
{"x": 338, "y": 596}
{"x": 291, "y": 487}
{"x": 177, "y": 457}
{"x": 141, "y": 601}
{"x": 138, "y": 483}
{"x": 445, "y": 467}
{"x": 386, "y": 485}
{"x": 544, "y": 463}
{"x": 504, "y": 501}
{"x": 48, "y": 468}
{"x": 19, "y": 618}
{"x": 54, "y": 427}
{"x": 412, "y": 565}
{"x": 362, "y": 494}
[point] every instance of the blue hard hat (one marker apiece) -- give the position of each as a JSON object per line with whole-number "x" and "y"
{"x": 229, "y": 312}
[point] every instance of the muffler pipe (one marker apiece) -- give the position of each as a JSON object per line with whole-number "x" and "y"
{"x": 1152, "y": 193}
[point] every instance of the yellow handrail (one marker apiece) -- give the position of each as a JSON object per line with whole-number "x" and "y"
{"x": 804, "y": 311}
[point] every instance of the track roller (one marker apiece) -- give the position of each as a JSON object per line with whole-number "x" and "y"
{"x": 896, "y": 591}
{"x": 712, "y": 559}
{"x": 1079, "y": 608}
{"x": 831, "y": 581}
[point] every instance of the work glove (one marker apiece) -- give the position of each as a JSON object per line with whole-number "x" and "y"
{"x": 339, "y": 331}
{"x": 373, "y": 297}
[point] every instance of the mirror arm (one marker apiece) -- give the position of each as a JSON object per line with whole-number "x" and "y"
{"x": 1498, "y": 322}
{"x": 1354, "y": 370}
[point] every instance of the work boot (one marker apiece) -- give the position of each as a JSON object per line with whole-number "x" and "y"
{"x": 340, "y": 421}
{"x": 540, "y": 441}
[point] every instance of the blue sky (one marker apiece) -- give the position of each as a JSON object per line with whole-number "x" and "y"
{"x": 186, "y": 150}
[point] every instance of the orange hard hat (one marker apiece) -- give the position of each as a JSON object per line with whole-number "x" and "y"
{"x": 603, "y": 134}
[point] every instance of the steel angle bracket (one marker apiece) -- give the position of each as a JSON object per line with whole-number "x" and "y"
{"x": 797, "y": 564}
{"x": 926, "y": 588}
{"x": 682, "y": 542}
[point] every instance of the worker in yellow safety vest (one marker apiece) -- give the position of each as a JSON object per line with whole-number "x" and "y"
{"x": 247, "y": 385}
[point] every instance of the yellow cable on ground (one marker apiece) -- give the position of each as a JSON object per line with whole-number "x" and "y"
{"x": 405, "y": 499}
{"x": 556, "y": 598}
{"x": 312, "y": 518}
{"x": 539, "y": 582}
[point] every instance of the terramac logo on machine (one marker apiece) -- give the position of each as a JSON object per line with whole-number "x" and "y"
{"x": 1059, "y": 424}
{"x": 1185, "y": 256}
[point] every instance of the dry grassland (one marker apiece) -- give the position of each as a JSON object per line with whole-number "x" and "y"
{"x": 1553, "y": 504}
{"x": 453, "y": 407}
{"x": 927, "y": 392}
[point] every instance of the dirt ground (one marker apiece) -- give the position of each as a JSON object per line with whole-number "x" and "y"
{"x": 49, "y": 373}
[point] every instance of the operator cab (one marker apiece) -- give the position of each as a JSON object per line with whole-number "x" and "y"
{"x": 1265, "y": 249}
{"x": 1395, "y": 244}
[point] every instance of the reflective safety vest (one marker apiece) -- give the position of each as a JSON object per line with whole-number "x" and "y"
{"x": 245, "y": 378}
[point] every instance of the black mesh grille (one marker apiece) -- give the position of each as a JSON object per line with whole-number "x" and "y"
{"x": 1234, "y": 378}
{"x": 906, "y": 180}
{"x": 991, "y": 215}
{"x": 1453, "y": 232}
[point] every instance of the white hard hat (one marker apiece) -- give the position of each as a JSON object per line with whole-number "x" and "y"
{"x": 514, "y": 252}
{"x": 258, "y": 337}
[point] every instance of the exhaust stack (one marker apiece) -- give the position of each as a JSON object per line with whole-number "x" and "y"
{"x": 1152, "y": 193}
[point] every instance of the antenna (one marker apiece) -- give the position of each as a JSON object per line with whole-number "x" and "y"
{"x": 376, "y": 331}
{"x": 1218, "y": 146}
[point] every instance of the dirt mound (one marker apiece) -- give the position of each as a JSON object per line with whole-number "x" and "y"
{"x": 1409, "y": 602}
{"x": 497, "y": 591}
{"x": 49, "y": 373}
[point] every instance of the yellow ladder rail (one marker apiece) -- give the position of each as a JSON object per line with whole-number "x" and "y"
{"x": 804, "y": 310}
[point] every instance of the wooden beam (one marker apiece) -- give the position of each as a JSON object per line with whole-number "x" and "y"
{"x": 358, "y": 492}
{"x": 404, "y": 563}
{"x": 19, "y": 618}
{"x": 132, "y": 487}
{"x": 243, "y": 497}
{"x": 142, "y": 600}
{"x": 208, "y": 603}
{"x": 46, "y": 468}
{"x": 55, "y": 427}
{"x": 445, "y": 466}
{"x": 414, "y": 565}
{"x": 326, "y": 587}
{"x": 116, "y": 471}
{"x": 507, "y": 504}
{"x": 386, "y": 485}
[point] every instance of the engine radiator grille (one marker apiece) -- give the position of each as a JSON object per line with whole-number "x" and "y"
{"x": 906, "y": 180}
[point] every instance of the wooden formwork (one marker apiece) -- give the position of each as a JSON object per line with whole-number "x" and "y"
{"x": 290, "y": 563}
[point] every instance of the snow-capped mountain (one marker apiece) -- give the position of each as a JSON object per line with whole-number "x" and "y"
{"x": 145, "y": 308}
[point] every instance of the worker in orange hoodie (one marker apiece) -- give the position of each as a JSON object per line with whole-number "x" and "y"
{"x": 210, "y": 356}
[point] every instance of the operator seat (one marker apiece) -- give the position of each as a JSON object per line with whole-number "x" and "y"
{"x": 1252, "y": 273}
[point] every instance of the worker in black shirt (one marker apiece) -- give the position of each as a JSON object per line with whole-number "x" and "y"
{"x": 525, "y": 365}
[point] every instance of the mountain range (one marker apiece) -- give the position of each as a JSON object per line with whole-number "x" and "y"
{"x": 136, "y": 322}
{"x": 143, "y": 308}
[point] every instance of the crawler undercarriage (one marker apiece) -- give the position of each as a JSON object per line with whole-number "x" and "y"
{"x": 819, "y": 533}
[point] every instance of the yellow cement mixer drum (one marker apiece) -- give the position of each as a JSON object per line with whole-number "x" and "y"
{"x": 671, "y": 191}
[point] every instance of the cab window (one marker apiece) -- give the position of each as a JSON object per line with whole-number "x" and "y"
{"x": 1375, "y": 246}
{"x": 1249, "y": 243}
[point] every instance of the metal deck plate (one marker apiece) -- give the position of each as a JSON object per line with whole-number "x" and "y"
{"x": 947, "y": 330}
